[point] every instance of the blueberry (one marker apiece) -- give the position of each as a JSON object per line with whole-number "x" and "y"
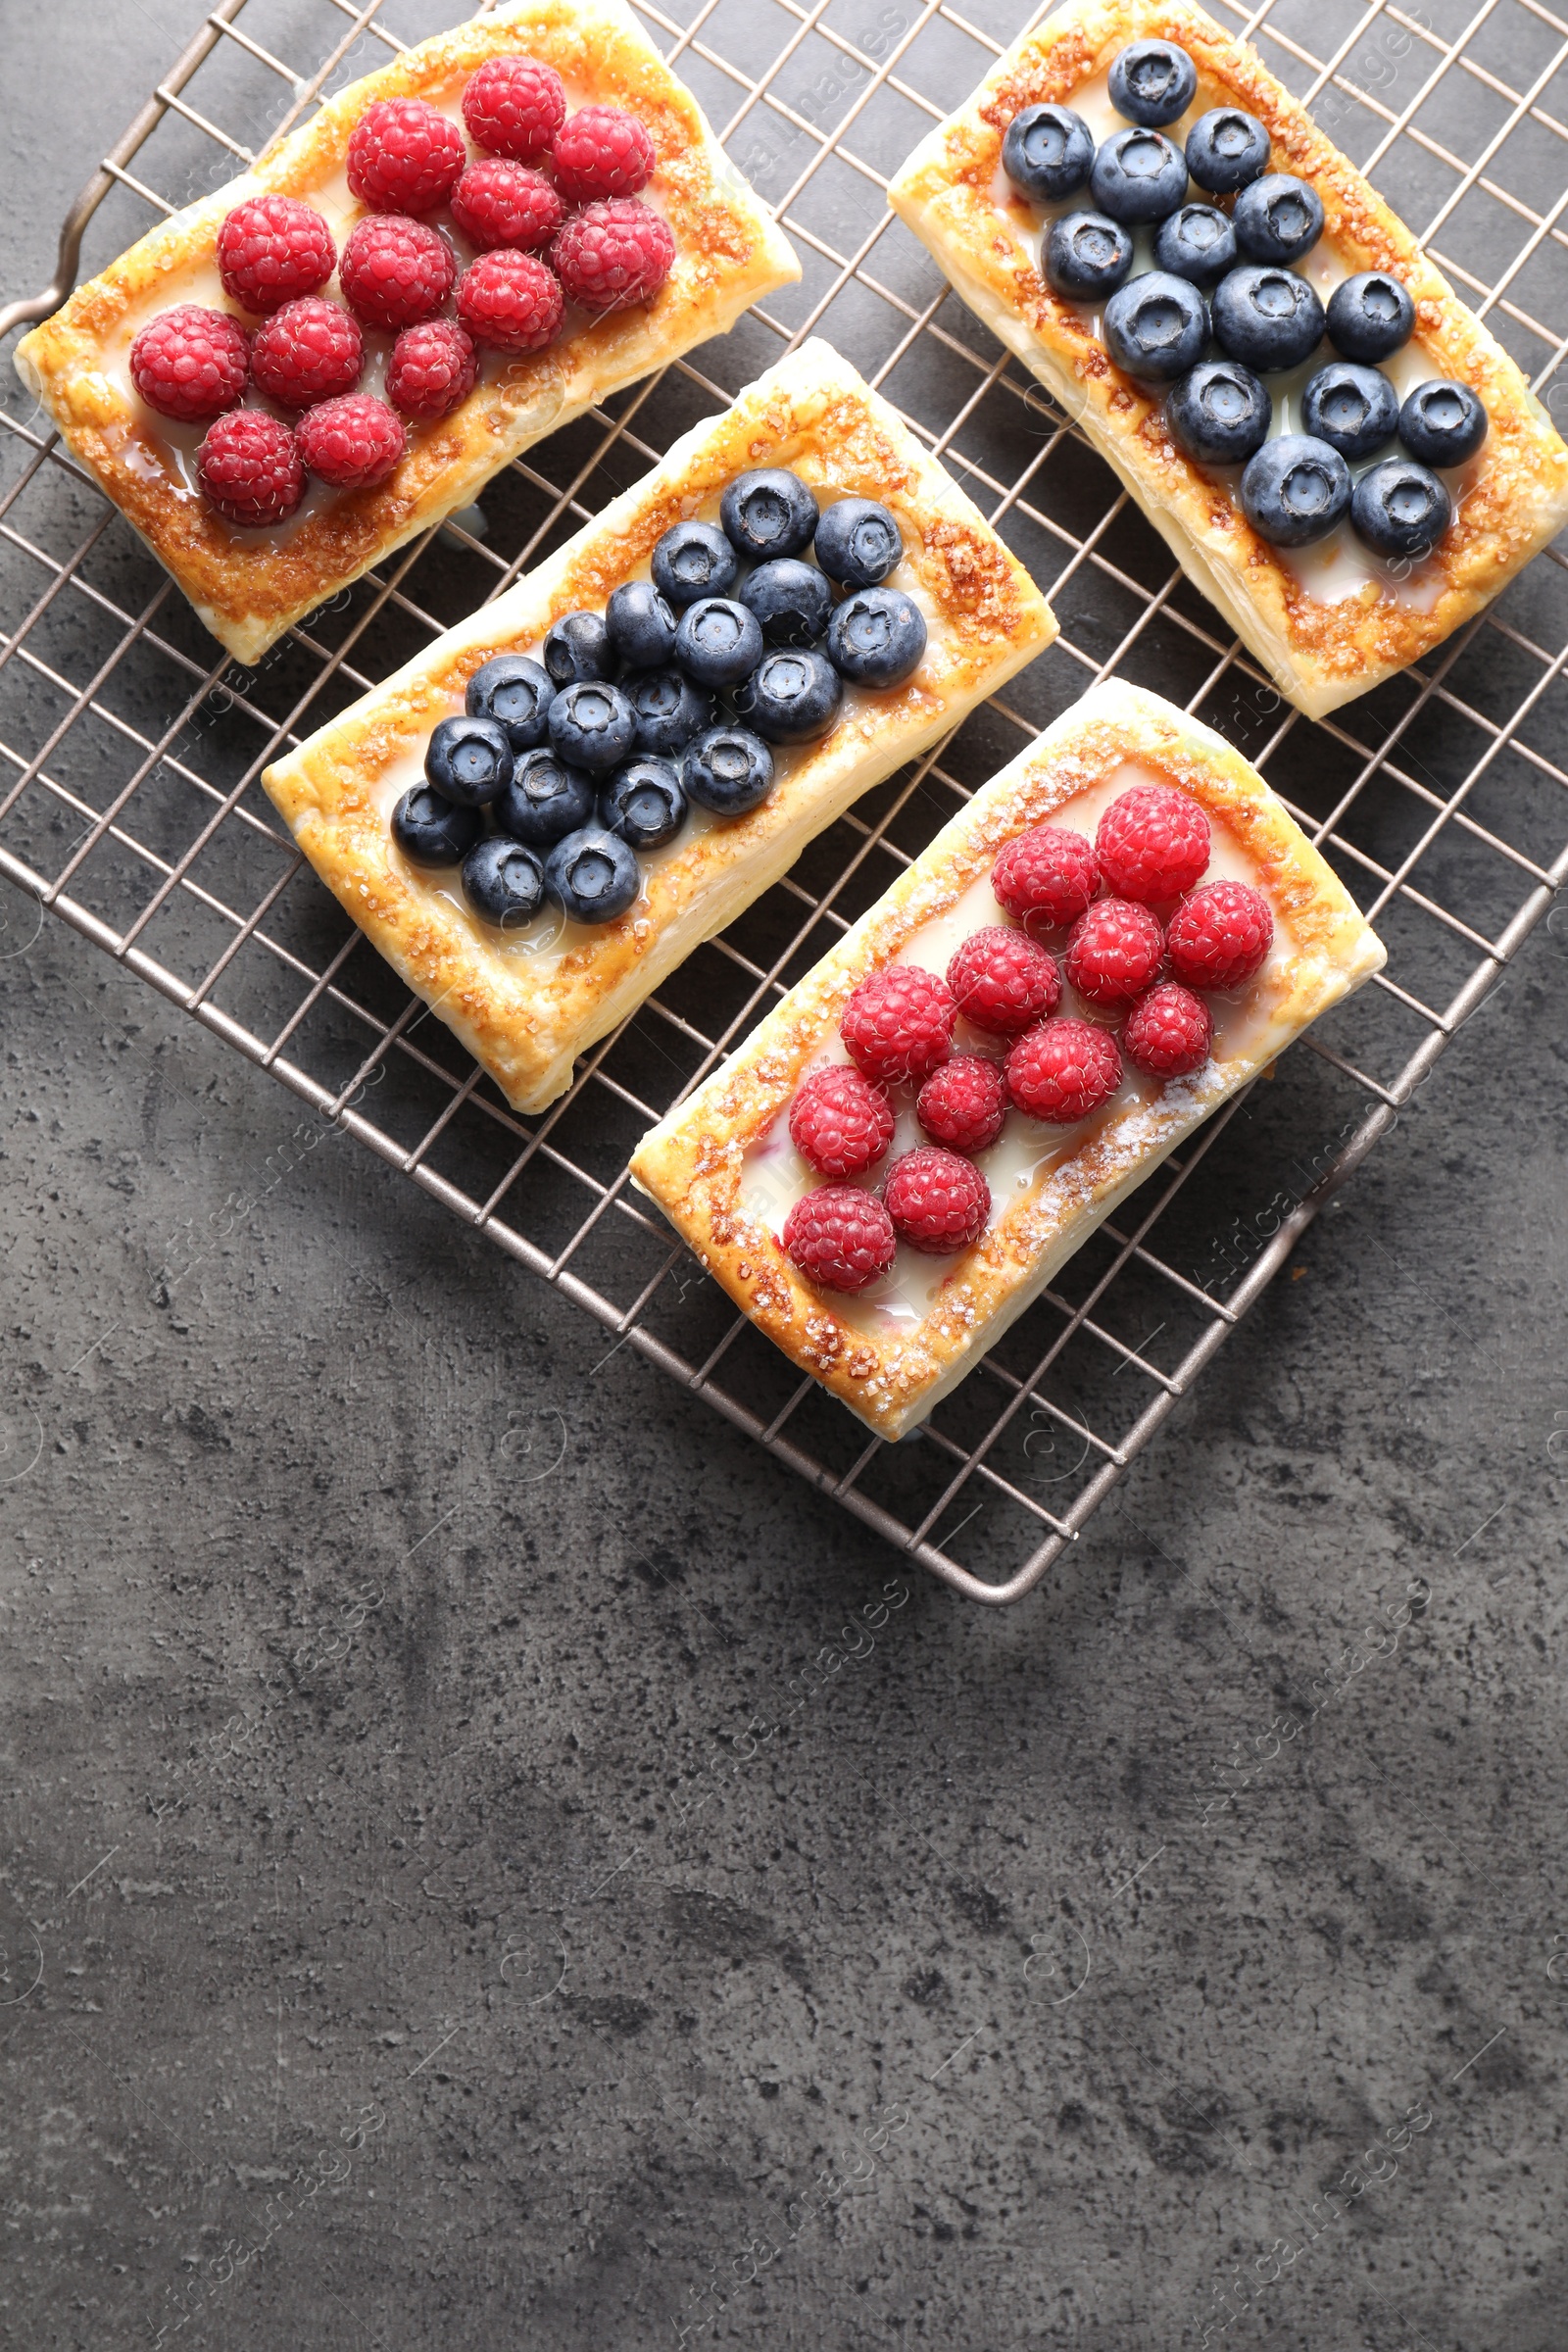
{"x": 1152, "y": 82}
{"x": 515, "y": 692}
{"x": 643, "y": 804}
{"x": 1195, "y": 242}
{"x": 591, "y": 725}
{"x": 1267, "y": 319}
{"x": 1399, "y": 509}
{"x": 1226, "y": 150}
{"x": 503, "y": 882}
{"x": 545, "y": 800}
{"x": 1046, "y": 153}
{"x": 1138, "y": 175}
{"x": 1087, "y": 256}
{"x": 668, "y": 710}
{"x": 433, "y": 830}
{"x": 790, "y": 696}
{"x": 1277, "y": 219}
{"x": 579, "y": 647}
{"x": 1441, "y": 423}
{"x": 693, "y": 560}
{"x": 640, "y": 625}
{"x": 877, "y": 637}
{"x": 729, "y": 770}
{"x": 1354, "y": 409}
{"x": 858, "y": 543}
{"x": 469, "y": 759}
{"x": 718, "y": 642}
{"x": 1295, "y": 490}
{"x": 1370, "y": 316}
{"x": 792, "y": 601}
{"x": 1157, "y": 327}
{"x": 594, "y": 875}
{"x": 766, "y": 513}
{"x": 1220, "y": 413}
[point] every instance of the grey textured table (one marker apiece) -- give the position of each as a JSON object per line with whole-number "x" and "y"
{"x": 561, "y": 1889}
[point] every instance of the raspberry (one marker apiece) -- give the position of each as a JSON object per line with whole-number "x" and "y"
{"x": 395, "y": 273}
{"x": 404, "y": 156}
{"x": 964, "y": 1103}
{"x": 272, "y": 250}
{"x": 502, "y": 203}
{"x": 1114, "y": 952}
{"x": 1169, "y": 1032}
{"x": 352, "y": 444}
{"x": 190, "y": 363}
{"x": 1045, "y": 878}
{"x": 602, "y": 152}
{"x": 1153, "y": 843}
{"x": 250, "y": 468}
{"x": 838, "y": 1237}
{"x": 431, "y": 370}
{"x": 899, "y": 1024}
{"x": 514, "y": 106}
{"x": 840, "y": 1123}
{"x": 1063, "y": 1070}
{"x": 1004, "y": 982}
{"x": 610, "y": 256}
{"x": 511, "y": 300}
{"x": 937, "y": 1202}
{"x": 1219, "y": 935}
{"x": 307, "y": 351}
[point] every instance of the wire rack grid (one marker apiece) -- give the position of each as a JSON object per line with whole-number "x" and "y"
{"x": 131, "y": 808}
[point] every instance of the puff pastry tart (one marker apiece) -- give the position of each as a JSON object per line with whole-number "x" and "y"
{"x": 1338, "y": 452}
{"x": 495, "y": 930}
{"x": 1117, "y": 932}
{"x": 313, "y": 518}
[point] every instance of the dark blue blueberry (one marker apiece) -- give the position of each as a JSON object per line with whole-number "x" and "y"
{"x": 640, "y": 625}
{"x": 433, "y": 830}
{"x": 858, "y": 543}
{"x": 1354, "y": 409}
{"x": 1443, "y": 423}
{"x": 1087, "y": 256}
{"x": 1157, "y": 327}
{"x": 503, "y": 882}
{"x": 1295, "y": 490}
{"x": 766, "y": 513}
{"x": 544, "y": 800}
{"x": 668, "y": 710}
{"x": 693, "y": 560}
{"x": 792, "y": 601}
{"x": 1370, "y": 316}
{"x": 1152, "y": 82}
{"x": 515, "y": 692}
{"x": 643, "y": 804}
{"x": 718, "y": 642}
{"x": 790, "y": 696}
{"x": 592, "y": 727}
{"x": 593, "y": 874}
{"x": 1399, "y": 509}
{"x": 1267, "y": 319}
{"x": 1138, "y": 175}
{"x": 877, "y": 637}
{"x": 1046, "y": 153}
{"x": 1195, "y": 242}
{"x": 1219, "y": 414}
{"x": 1277, "y": 219}
{"x": 579, "y": 647}
{"x": 469, "y": 759}
{"x": 1226, "y": 150}
{"x": 729, "y": 770}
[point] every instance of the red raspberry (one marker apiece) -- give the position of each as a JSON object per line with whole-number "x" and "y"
{"x": 1169, "y": 1032}
{"x": 431, "y": 370}
{"x": 1004, "y": 983}
{"x": 964, "y": 1103}
{"x": 1219, "y": 935}
{"x": 602, "y": 152}
{"x": 190, "y": 363}
{"x": 1045, "y": 878}
{"x": 352, "y": 444}
{"x": 307, "y": 351}
{"x": 501, "y": 203}
{"x": 395, "y": 273}
{"x": 250, "y": 468}
{"x": 511, "y": 300}
{"x": 1063, "y": 1070}
{"x": 839, "y": 1237}
{"x": 1114, "y": 952}
{"x": 839, "y": 1122}
{"x": 405, "y": 156}
{"x": 514, "y": 106}
{"x": 610, "y": 256}
{"x": 272, "y": 250}
{"x": 937, "y": 1202}
{"x": 899, "y": 1024}
{"x": 1153, "y": 843}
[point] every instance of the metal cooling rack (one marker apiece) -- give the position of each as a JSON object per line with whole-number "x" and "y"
{"x": 131, "y": 808}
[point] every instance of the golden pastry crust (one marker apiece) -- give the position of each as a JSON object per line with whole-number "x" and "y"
{"x": 527, "y": 1021}
{"x": 1320, "y": 654}
{"x": 692, "y": 1162}
{"x": 248, "y": 588}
